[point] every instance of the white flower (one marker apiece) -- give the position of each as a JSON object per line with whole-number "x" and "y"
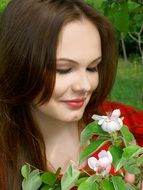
{"x": 103, "y": 165}
{"x": 110, "y": 123}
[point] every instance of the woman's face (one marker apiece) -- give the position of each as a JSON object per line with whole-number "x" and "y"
{"x": 78, "y": 56}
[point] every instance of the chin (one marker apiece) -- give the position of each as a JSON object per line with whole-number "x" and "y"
{"x": 75, "y": 118}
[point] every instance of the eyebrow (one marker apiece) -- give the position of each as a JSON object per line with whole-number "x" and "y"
{"x": 75, "y": 62}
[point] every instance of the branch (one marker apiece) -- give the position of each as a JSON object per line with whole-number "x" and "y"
{"x": 141, "y": 30}
{"x": 135, "y": 39}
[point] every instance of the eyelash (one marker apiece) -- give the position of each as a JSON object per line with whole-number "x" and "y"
{"x": 93, "y": 69}
{"x": 63, "y": 71}
{"x": 66, "y": 71}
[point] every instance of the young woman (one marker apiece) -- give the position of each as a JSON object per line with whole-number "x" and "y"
{"x": 57, "y": 61}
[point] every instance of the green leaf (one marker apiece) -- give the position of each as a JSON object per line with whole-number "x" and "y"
{"x": 116, "y": 152}
{"x": 132, "y": 5}
{"x": 89, "y": 184}
{"x": 131, "y": 161}
{"x": 90, "y": 130}
{"x": 128, "y": 153}
{"x": 132, "y": 166}
{"x": 95, "y": 4}
{"x": 49, "y": 178}
{"x": 92, "y": 147}
{"x": 107, "y": 185}
{"x": 120, "y": 164}
{"x": 133, "y": 169}
{"x": 118, "y": 183}
{"x": 127, "y": 136}
{"x": 25, "y": 171}
{"x": 57, "y": 188}
{"x": 140, "y": 160}
{"x": 70, "y": 177}
{"x": 47, "y": 187}
{"x": 121, "y": 17}
{"x": 132, "y": 151}
{"x": 80, "y": 180}
{"x": 129, "y": 187}
{"x": 33, "y": 182}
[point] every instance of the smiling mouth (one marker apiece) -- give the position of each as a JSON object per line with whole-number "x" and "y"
{"x": 75, "y": 104}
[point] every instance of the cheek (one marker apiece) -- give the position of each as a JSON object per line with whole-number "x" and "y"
{"x": 94, "y": 81}
{"x": 61, "y": 85}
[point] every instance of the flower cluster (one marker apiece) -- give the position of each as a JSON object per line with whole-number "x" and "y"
{"x": 123, "y": 154}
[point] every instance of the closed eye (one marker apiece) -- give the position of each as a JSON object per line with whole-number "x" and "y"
{"x": 63, "y": 71}
{"x": 93, "y": 69}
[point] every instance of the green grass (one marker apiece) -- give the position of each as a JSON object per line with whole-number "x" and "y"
{"x": 128, "y": 87}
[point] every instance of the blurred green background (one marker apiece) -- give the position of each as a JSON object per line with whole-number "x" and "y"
{"x": 128, "y": 87}
{"x": 3, "y": 3}
{"x": 127, "y": 18}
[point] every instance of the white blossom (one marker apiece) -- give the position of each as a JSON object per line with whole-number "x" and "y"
{"x": 103, "y": 165}
{"x": 110, "y": 123}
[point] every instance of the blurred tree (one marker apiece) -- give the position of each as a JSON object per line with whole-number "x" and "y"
{"x": 136, "y": 25}
{"x": 127, "y": 18}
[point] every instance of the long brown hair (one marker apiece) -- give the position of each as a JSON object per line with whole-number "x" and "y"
{"x": 29, "y": 31}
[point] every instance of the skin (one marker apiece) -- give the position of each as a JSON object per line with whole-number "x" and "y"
{"x": 78, "y": 56}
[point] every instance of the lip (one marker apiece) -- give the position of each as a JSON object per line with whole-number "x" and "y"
{"x": 75, "y": 103}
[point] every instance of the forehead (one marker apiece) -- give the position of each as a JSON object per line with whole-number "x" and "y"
{"x": 79, "y": 40}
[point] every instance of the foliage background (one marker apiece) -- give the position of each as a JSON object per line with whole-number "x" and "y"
{"x": 127, "y": 18}
{"x": 3, "y": 3}
{"x": 128, "y": 88}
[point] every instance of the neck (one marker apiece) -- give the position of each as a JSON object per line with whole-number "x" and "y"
{"x": 61, "y": 140}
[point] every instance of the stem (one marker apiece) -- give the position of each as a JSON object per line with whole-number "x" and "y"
{"x": 121, "y": 172}
{"x": 33, "y": 167}
{"x": 114, "y": 137}
{"x": 86, "y": 172}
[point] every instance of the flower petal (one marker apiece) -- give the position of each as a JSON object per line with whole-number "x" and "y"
{"x": 96, "y": 117}
{"x": 92, "y": 163}
{"x": 121, "y": 122}
{"x": 102, "y": 154}
{"x": 110, "y": 156}
{"x": 116, "y": 113}
{"x": 106, "y": 126}
{"x": 107, "y": 170}
{"x": 104, "y": 162}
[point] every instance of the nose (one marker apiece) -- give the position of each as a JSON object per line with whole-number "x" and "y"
{"x": 81, "y": 83}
